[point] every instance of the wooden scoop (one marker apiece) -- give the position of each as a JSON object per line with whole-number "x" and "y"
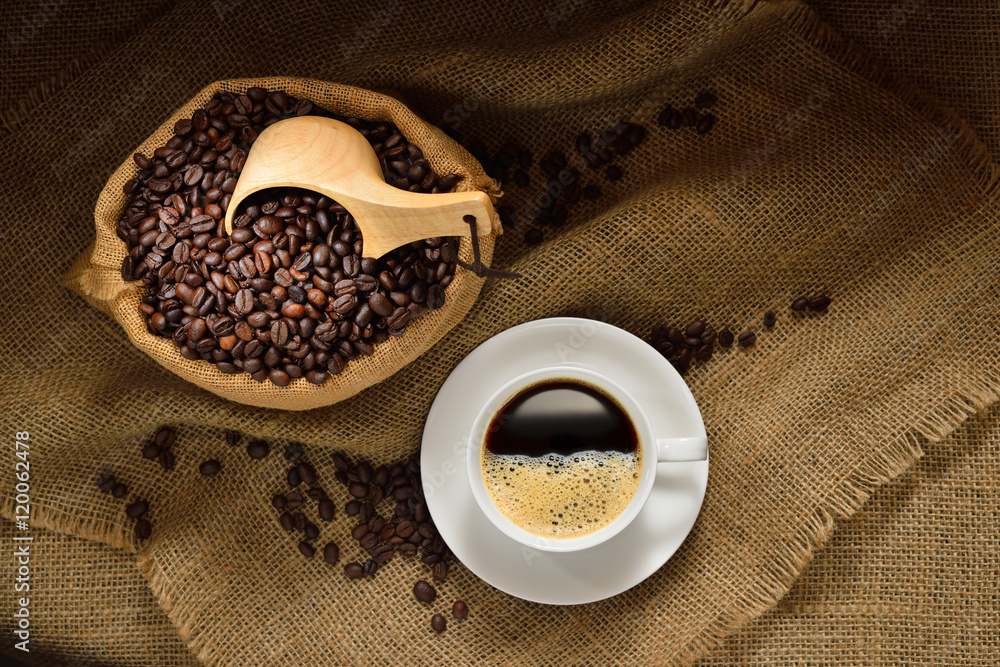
{"x": 332, "y": 158}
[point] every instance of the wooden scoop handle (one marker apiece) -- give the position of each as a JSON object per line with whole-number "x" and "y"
{"x": 334, "y": 159}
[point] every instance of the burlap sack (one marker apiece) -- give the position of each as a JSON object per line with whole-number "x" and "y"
{"x": 822, "y": 174}
{"x": 96, "y": 276}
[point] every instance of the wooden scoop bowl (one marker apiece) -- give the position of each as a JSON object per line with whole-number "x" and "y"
{"x": 334, "y": 159}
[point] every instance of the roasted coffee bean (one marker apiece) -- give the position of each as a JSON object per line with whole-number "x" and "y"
{"x": 819, "y": 302}
{"x": 326, "y": 508}
{"x": 210, "y": 467}
{"x": 165, "y": 437}
{"x": 232, "y": 438}
{"x": 370, "y": 567}
{"x": 143, "y": 529}
{"x": 119, "y": 490}
{"x": 460, "y": 610}
{"x": 770, "y": 318}
{"x": 424, "y": 592}
{"x": 531, "y": 237}
{"x": 258, "y": 449}
{"x": 435, "y": 297}
{"x": 311, "y": 531}
{"x": 137, "y": 509}
{"x": 278, "y": 502}
{"x": 368, "y": 541}
{"x": 694, "y": 329}
{"x": 726, "y": 338}
{"x": 300, "y": 521}
{"x": 438, "y": 623}
{"x": 293, "y": 499}
{"x": 800, "y": 304}
{"x": 306, "y": 473}
{"x": 331, "y": 553}
{"x": 167, "y": 460}
{"x": 306, "y": 549}
{"x": 360, "y": 531}
{"x": 705, "y": 123}
{"x": 747, "y": 338}
{"x": 151, "y": 451}
{"x": 358, "y": 490}
{"x": 383, "y": 554}
{"x": 293, "y": 477}
{"x": 354, "y": 571}
{"x": 440, "y": 571}
{"x": 352, "y": 507}
{"x": 287, "y": 521}
{"x": 689, "y": 117}
{"x": 704, "y": 100}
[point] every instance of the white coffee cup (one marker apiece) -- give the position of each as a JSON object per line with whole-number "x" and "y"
{"x": 653, "y": 450}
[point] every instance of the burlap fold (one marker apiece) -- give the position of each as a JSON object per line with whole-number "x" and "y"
{"x": 822, "y": 173}
{"x": 96, "y": 276}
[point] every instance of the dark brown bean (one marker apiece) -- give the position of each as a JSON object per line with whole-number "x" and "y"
{"x": 137, "y": 509}
{"x": 438, "y": 623}
{"x": 258, "y": 449}
{"x": 353, "y": 571}
{"x": 819, "y": 302}
{"x": 747, "y": 338}
{"x": 424, "y": 592}
{"x": 210, "y": 467}
{"x": 331, "y": 553}
{"x": 460, "y": 610}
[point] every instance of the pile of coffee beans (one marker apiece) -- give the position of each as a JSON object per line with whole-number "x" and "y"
{"x": 695, "y": 342}
{"x": 408, "y": 530}
{"x": 289, "y": 294}
{"x": 562, "y": 180}
{"x": 135, "y": 510}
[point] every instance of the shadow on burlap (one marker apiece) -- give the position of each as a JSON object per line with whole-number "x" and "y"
{"x": 820, "y": 175}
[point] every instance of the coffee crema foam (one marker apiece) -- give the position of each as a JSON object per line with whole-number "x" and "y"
{"x": 562, "y": 496}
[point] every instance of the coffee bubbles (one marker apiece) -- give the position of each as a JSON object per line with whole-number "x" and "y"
{"x": 561, "y": 459}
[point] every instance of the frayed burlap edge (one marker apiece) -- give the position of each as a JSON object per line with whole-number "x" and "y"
{"x": 896, "y": 457}
{"x": 96, "y": 275}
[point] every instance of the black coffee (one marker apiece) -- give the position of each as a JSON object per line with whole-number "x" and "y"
{"x": 560, "y": 417}
{"x": 561, "y": 459}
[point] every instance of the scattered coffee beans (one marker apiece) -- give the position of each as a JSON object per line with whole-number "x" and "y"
{"x": 210, "y": 467}
{"x": 306, "y": 549}
{"x": 770, "y": 319}
{"x": 747, "y": 338}
{"x": 460, "y": 610}
{"x": 289, "y": 294}
{"x": 353, "y": 571}
{"x": 119, "y": 490}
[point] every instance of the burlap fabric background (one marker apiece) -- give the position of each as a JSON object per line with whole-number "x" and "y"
{"x": 97, "y": 274}
{"x": 822, "y": 173}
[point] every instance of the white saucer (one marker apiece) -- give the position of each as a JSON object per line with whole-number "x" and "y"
{"x": 548, "y": 577}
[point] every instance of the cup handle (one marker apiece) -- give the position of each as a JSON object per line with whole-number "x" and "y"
{"x": 682, "y": 449}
